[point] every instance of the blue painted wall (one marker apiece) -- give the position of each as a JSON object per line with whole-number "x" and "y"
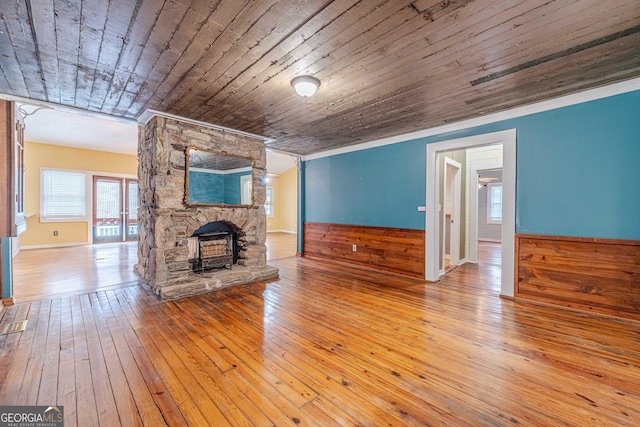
{"x": 577, "y": 175}
{"x": 6, "y": 277}
{"x": 379, "y": 187}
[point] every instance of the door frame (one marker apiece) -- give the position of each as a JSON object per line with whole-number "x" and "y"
{"x": 89, "y": 202}
{"x": 127, "y": 209}
{"x": 121, "y": 190}
{"x": 432, "y": 234}
{"x": 454, "y": 234}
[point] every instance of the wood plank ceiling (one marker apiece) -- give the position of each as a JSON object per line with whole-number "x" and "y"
{"x": 387, "y": 67}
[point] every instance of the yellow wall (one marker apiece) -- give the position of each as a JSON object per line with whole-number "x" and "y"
{"x": 285, "y": 189}
{"x": 38, "y": 155}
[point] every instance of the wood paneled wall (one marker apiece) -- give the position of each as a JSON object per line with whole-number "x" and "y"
{"x": 596, "y": 275}
{"x": 391, "y": 249}
{"x": 7, "y": 143}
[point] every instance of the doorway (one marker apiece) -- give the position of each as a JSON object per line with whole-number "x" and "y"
{"x": 474, "y": 187}
{"x": 115, "y": 207}
{"x": 508, "y": 140}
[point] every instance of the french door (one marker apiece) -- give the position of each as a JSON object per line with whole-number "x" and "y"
{"x": 115, "y": 209}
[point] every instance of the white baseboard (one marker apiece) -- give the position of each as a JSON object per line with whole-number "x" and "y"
{"x": 53, "y": 245}
{"x": 482, "y": 239}
{"x": 282, "y": 231}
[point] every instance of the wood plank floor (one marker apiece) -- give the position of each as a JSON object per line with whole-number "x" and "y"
{"x": 46, "y": 273}
{"x": 323, "y": 345}
{"x": 281, "y": 245}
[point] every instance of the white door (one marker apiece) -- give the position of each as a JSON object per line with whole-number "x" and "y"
{"x": 451, "y": 216}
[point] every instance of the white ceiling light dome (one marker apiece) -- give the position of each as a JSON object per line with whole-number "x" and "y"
{"x": 305, "y": 85}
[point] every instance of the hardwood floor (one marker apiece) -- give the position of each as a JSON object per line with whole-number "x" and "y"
{"x": 324, "y": 345}
{"x": 46, "y": 273}
{"x": 281, "y": 245}
{"x": 489, "y": 252}
{"x": 488, "y": 256}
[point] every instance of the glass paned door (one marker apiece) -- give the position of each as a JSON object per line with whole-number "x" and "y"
{"x": 115, "y": 209}
{"x": 107, "y": 209}
{"x": 131, "y": 209}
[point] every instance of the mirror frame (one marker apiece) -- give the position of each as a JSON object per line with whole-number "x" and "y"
{"x": 186, "y": 201}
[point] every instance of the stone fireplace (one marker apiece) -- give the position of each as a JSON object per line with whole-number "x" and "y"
{"x": 174, "y": 234}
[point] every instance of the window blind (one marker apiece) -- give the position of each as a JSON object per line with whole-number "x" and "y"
{"x": 63, "y": 194}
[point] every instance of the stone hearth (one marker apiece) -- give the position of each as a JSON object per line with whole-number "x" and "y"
{"x": 166, "y": 221}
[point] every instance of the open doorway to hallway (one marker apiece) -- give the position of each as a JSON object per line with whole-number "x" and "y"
{"x": 439, "y": 226}
{"x": 470, "y": 199}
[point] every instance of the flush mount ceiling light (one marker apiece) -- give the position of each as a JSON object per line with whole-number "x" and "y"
{"x": 305, "y": 85}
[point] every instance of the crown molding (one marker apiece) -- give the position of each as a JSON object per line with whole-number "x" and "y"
{"x": 67, "y": 109}
{"x": 147, "y": 115}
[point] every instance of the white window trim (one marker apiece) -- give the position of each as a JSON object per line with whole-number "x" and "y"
{"x": 87, "y": 198}
{"x": 272, "y": 204}
{"x": 489, "y": 187}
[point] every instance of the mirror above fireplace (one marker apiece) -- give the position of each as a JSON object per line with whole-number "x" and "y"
{"x": 215, "y": 178}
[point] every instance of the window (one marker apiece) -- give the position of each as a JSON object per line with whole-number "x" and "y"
{"x": 62, "y": 195}
{"x": 268, "y": 203}
{"x": 494, "y": 203}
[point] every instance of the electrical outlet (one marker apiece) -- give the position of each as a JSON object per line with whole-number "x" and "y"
{"x": 355, "y": 248}
{"x": 55, "y": 233}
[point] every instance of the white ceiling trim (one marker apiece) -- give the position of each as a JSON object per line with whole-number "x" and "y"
{"x": 147, "y": 115}
{"x": 552, "y": 104}
{"x": 286, "y": 153}
{"x": 67, "y": 109}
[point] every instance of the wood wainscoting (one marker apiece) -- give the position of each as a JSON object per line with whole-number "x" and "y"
{"x": 397, "y": 250}
{"x": 589, "y": 274}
